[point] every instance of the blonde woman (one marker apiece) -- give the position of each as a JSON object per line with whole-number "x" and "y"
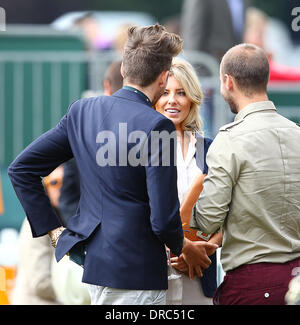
{"x": 180, "y": 103}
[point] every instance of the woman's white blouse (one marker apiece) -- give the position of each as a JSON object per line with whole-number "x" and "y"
{"x": 182, "y": 290}
{"x": 187, "y": 169}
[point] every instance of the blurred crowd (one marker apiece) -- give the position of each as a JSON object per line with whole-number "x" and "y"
{"x": 214, "y": 26}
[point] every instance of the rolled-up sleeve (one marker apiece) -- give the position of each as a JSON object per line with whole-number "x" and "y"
{"x": 223, "y": 169}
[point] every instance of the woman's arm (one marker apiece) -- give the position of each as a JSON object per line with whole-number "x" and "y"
{"x": 186, "y": 208}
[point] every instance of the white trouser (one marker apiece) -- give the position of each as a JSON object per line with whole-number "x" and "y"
{"x": 111, "y": 296}
{"x": 184, "y": 291}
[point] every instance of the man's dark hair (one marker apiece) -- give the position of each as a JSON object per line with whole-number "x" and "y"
{"x": 249, "y": 66}
{"x": 113, "y": 76}
{"x": 148, "y": 52}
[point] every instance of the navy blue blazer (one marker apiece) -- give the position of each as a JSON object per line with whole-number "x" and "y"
{"x": 126, "y": 214}
{"x": 69, "y": 191}
{"x": 209, "y": 279}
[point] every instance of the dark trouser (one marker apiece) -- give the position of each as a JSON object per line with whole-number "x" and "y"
{"x": 256, "y": 284}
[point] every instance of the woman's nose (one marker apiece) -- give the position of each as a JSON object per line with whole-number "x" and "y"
{"x": 171, "y": 99}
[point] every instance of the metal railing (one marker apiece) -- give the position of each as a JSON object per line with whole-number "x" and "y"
{"x": 36, "y": 88}
{"x": 26, "y": 80}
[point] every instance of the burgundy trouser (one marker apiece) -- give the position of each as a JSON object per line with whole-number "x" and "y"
{"x": 256, "y": 284}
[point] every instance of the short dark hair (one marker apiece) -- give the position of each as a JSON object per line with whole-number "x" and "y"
{"x": 147, "y": 52}
{"x": 113, "y": 76}
{"x": 249, "y": 66}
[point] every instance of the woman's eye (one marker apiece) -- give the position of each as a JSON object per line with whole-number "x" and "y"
{"x": 181, "y": 93}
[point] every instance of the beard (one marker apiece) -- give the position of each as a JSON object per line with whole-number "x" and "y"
{"x": 232, "y": 103}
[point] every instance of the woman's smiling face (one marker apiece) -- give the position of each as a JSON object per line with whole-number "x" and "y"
{"x": 174, "y": 103}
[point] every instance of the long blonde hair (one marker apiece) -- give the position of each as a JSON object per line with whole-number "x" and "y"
{"x": 184, "y": 72}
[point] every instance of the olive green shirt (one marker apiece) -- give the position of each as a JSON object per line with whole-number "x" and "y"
{"x": 252, "y": 190}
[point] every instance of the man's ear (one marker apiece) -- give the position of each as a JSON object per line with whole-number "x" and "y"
{"x": 163, "y": 78}
{"x": 229, "y": 82}
{"x": 107, "y": 88}
{"x": 122, "y": 70}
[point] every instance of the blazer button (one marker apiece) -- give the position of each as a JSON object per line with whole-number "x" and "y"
{"x": 267, "y": 295}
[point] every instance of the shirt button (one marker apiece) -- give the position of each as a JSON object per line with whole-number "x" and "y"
{"x": 267, "y": 295}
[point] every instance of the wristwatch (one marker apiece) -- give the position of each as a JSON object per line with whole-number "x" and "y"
{"x": 55, "y": 237}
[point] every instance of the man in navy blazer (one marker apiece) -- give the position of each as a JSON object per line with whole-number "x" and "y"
{"x": 129, "y": 207}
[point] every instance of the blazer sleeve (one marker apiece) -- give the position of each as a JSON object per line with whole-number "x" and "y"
{"x": 69, "y": 192}
{"x": 38, "y": 160}
{"x": 161, "y": 174}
